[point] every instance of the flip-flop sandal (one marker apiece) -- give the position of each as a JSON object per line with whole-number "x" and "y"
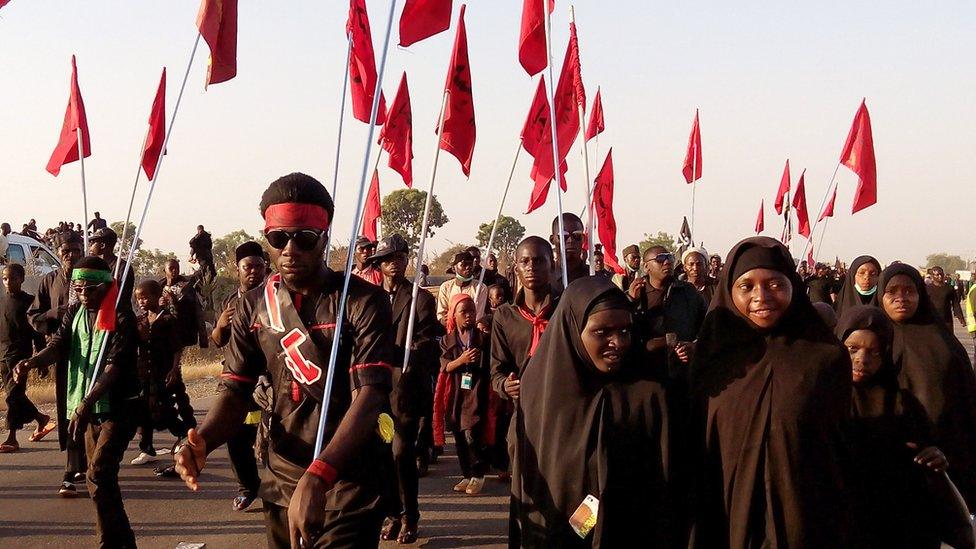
{"x": 9, "y": 448}
{"x": 407, "y": 536}
{"x": 391, "y": 529}
{"x": 39, "y": 435}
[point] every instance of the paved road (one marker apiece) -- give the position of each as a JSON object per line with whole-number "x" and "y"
{"x": 163, "y": 512}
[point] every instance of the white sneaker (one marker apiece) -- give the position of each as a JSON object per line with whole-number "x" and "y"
{"x": 144, "y": 458}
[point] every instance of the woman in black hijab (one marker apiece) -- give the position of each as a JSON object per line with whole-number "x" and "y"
{"x": 592, "y": 422}
{"x": 860, "y": 285}
{"x": 889, "y": 442}
{"x": 935, "y": 368}
{"x": 773, "y": 388}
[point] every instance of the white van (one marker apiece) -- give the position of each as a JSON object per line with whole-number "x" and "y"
{"x": 36, "y": 257}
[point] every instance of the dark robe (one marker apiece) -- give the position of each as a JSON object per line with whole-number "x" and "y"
{"x": 770, "y": 407}
{"x": 511, "y": 340}
{"x": 935, "y": 368}
{"x": 50, "y": 304}
{"x": 467, "y": 408}
{"x": 580, "y": 432}
{"x": 581, "y": 271}
{"x": 945, "y": 301}
{"x": 678, "y": 308}
{"x": 185, "y": 306}
{"x": 202, "y": 246}
{"x": 412, "y": 393}
{"x": 891, "y": 499}
{"x": 819, "y": 288}
{"x": 17, "y": 342}
{"x": 847, "y": 295}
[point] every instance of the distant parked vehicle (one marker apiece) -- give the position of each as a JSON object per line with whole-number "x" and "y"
{"x": 35, "y": 256}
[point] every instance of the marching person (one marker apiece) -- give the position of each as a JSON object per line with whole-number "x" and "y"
{"x": 101, "y": 244}
{"x": 860, "y": 285}
{"x": 104, "y": 417}
{"x": 464, "y": 282}
{"x": 339, "y": 498}
{"x": 363, "y": 268}
{"x": 694, "y": 260}
{"x": 574, "y": 235}
{"x": 632, "y": 268}
{"x": 181, "y": 299}
{"x": 944, "y": 297}
{"x": 201, "y": 252}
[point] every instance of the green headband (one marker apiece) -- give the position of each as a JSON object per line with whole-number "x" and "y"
{"x": 91, "y": 275}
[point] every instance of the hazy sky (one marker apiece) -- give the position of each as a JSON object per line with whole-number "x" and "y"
{"x": 772, "y": 80}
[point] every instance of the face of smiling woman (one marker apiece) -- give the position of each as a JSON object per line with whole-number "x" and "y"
{"x": 606, "y": 338}
{"x": 762, "y": 296}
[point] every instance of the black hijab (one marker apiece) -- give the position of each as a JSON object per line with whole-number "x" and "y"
{"x": 848, "y": 295}
{"x": 580, "y": 432}
{"x": 771, "y": 407}
{"x": 935, "y": 368}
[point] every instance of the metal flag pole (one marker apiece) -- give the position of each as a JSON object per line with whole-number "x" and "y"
{"x": 555, "y": 146}
{"x": 84, "y": 188}
{"x": 340, "y": 311}
{"x": 591, "y": 238}
{"x": 145, "y": 211}
{"x": 498, "y": 216}
{"x": 423, "y": 237}
{"x": 342, "y": 115}
{"x": 823, "y": 201}
{"x": 128, "y": 214}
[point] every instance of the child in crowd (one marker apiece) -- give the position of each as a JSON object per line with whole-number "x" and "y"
{"x": 461, "y": 398}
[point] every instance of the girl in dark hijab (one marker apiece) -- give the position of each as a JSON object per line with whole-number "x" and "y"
{"x": 892, "y": 502}
{"x": 860, "y": 286}
{"x": 773, "y": 388}
{"x": 935, "y": 368}
{"x": 591, "y": 427}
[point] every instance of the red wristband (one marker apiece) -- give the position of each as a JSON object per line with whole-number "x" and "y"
{"x": 324, "y": 471}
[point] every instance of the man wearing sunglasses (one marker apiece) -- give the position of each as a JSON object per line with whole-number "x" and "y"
{"x": 284, "y": 329}
{"x": 51, "y": 302}
{"x": 364, "y": 268}
{"x": 103, "y": 418}
{"x": 574, "y": 236}
{"x": 666, "y": 305}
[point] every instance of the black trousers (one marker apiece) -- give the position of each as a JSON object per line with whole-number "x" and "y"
{"x": 358, "y": 528}
{"x": 177, "y": 393}
{"x": 77, "y": 459}
{"x": 240, "y": 448}
{"x": 20, "y": 410}
{"x": 470, "y": 455}
{"x": 405, "y": 460}
{"x": 105, "y": 444}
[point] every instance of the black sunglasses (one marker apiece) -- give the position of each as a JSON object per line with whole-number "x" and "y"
{"x": 305, "y": 239}
{"x": 661, "y": 258}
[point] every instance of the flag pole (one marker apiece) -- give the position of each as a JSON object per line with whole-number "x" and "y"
{"x": 84, "y": 189}
{"x": 588, "y": 197}
{"x": 132, "y": 200}
{"x": 342, "y": 114}
{"x": 423, "y": 235}
{"x": 498, "y": 216}
{"x": 822, "y": 233}
{"x": 357, "y": 222}
{"x": 145, "y": 211}
{"x": 823, "y": 201}
{"x": 555, "y": 145}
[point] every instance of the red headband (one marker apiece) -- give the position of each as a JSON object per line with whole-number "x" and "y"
{"x": 294, "y": 214}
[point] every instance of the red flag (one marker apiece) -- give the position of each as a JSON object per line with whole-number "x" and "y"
{"x": 596, "y": 126}
{"x": 784, "y": 188}
{"x": 693, "y": 159}
{"x": 157, "y": 130}
{"x": 811, "y": 262}
{"x": 760, "y": 219}
{"x": 800, "y": 205}
{"x": 372, "y": 211}
{"x": 568, "y": 97}
{"x": 603, "y": 208}
{"x": 537, "y": 120}
{"x": 217, "y": 21}
{"x": 362, "y": 65}
{"x": 858, "y": 155}
{"x": 532, "y": 36}
{"x": 4, "y": 3}
{"x": 459, "y": 130}
{"x": 397, "y": 134}
{"x": 422, "y": 19}
{"x": 540, "y": 191}
{"x": 829, "y": 209}
{"x": 75, "y": 121}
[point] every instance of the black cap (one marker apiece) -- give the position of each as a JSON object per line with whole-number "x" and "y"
{"x": 459, "y": 257}
{"x": 248, "y": 249}
{"x": 105, "y": 235}
{"x": 389, "y": 246}
{"x": 363, "y": 241}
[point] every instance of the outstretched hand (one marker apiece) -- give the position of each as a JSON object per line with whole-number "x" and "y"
{"x": 930, "y": 457}
{"x": 191, "y": 459}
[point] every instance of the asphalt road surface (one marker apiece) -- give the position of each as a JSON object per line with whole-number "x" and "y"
{"x": 164, "y": 512}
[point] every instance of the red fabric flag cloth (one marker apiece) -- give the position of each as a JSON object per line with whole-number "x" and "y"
{"x": 760, "y": 219}
{"x": 157, "y": 130}
{"x": 459, "y": 130}
{"x": 422, "y": 19}
{"x": 540, "y": 190}
{"x": 568, "y": 97}
{"x": 372, "y": 211}
{"x": 397, "y": 134}
{"x": 784, "y": 188}
{"x": 4, "y": 3}
{"x": 858, "y": 155}
{"x": 603, "y": 208}
{"x": 811, "y": 262}
{"x": 596, "y": 125}
{"x": 536, "y": 121}
{"x": 362, "y": 65}
{"x": 532, "y": 36}
{"x": 829, "y": 209}
{"x": 217, "y": 21}
{"x": 800, "y": 205}
{"x": 75, "y": 121}
{"x": 693, "y": 159}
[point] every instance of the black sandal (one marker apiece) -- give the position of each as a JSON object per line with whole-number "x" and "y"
{"x": 391, "y": 529}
